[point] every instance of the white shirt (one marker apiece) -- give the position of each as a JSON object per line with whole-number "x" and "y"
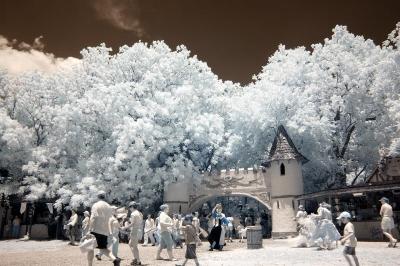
{"x": 114, "y": 226}
{"x": 85, "y": 224}
{"x": 176, "y": 224}
{"x": 196, "y": 223}
{"x": 149, "y": 225}
{"x": 100, "y": 218}
{"x": 324, "y": 213}
{"x": 165, "y": 222}
{"x": 352, "y": 241}
{"x": 230, "y": 222}
{"x": 136, "y": 220}
{"x": 73, "y": 220}
{"x": 158, "y": 223}
{"x": 301, "y": 214}
{"x": 386, "y": 210}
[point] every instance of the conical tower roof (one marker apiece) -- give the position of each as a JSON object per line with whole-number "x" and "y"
{"x": 283, "y": 148}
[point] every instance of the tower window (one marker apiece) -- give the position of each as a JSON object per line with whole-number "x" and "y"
{"x": 282, "y": 169}
{"x": 278, "y": 205}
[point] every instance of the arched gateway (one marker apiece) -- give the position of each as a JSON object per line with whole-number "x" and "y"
{"x": 274, "y": 184}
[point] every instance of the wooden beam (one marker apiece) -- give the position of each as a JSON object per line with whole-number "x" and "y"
{"x": 350, "y": 190}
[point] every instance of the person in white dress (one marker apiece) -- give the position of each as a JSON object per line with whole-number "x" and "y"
{"x": 115, "y": 228}
{"x": 149, "y": 230}
{"x": 387, "y": 223}
{"x": 85, "y": 223}
{"x": 72, "y": 224}
{"x": 230, "y": 228}
{"x": 301, "y": 213}
{"x": 307, "y": 230}
{"x": 326, "y": 233}
{"x": 300, "y": 216}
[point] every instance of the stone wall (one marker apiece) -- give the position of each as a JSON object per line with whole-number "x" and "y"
{"x": 291, "y": 183}
{"x": 282, "y": 217}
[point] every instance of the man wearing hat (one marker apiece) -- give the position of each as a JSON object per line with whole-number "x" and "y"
{"x": 113, "y": 239}
{"x": 99, "y": 226}
{"x": 135, "y": 225}
{"x": 387, "y": 223}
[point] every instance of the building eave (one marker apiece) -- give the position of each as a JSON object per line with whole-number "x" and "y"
{"x": 351, "y": 190}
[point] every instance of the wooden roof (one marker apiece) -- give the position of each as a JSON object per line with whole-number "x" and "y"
{"x": 350, "y": 190}
{"x": 283, "y": 148}
{"x": 385, "y": 177}
{"x": 387, "y": 171}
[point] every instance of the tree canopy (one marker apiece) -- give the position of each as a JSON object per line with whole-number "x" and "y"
{"x": 130, "y": 122}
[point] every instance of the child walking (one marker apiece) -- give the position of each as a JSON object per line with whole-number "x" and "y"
{"x": 349, "y": 239}
{"x": 191, "y": 240}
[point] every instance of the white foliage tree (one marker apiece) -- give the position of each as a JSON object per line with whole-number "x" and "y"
{"x": 15, "y": 146}
{"x": 146, "y": 116}
{"x": 130, "y": 122}
{"x": 331, "y": 100}
{"x": 394, "y": 149}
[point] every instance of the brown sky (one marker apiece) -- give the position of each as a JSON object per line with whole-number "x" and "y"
{"x": 234, "y": 37}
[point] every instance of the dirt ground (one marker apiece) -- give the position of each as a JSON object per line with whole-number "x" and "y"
{"x": 274, "y": 252}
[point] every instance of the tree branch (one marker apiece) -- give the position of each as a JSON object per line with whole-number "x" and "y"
{"x": 347, "y": 140}
{"x": 355, "y": 178}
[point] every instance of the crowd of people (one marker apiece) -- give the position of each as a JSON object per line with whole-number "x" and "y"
{"x": 105, "y": 226}
{"x": 319, "y": 230}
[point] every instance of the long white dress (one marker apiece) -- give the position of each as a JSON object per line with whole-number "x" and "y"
{"x": 85, "y": 226}
{"x": 326, "y": 233}
{"x": 114, "y": 237}
{"x": 308, "y": 226}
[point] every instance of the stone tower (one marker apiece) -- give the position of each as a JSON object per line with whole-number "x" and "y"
{"x": 283, "y": 165}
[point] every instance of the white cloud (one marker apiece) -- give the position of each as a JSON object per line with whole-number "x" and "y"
{"x": 123, "y": 14}
{"x": 28, "y": 57}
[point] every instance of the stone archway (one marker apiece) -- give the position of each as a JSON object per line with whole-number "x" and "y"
{"x": 244, "y": 208}
{"x": 251, "y": 182}
{"x": 197, "y": 203}
{"x": 276, "y": 185}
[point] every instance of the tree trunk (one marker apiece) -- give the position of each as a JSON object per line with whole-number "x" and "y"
{"x": 347, "y": 140}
